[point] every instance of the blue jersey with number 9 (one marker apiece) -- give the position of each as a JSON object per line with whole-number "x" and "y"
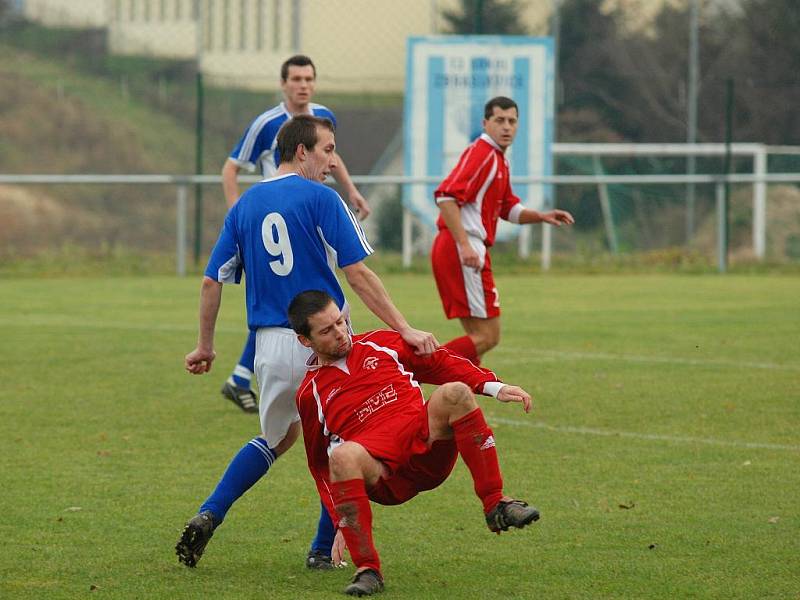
{"x": 288, "y": 234}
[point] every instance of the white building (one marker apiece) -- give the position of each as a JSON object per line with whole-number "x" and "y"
{"x": 357, "y": 45}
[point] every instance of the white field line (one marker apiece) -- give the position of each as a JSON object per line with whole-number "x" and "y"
{"x": 70, "y": 322}
{"x": 514, "y": 355}
{"x": 650, "y": 437}
{"x": 533, "y": 353}
{"x": 80, "y": 323}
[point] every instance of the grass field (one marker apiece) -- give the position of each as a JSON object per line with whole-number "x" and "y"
{"x": 664, "y": 450}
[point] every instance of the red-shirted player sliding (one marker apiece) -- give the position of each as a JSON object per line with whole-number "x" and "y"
{"x": 370, "y": 435}
{"x": 473, "y": 196}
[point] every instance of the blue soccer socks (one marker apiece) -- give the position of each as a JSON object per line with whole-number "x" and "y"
{"x": 323, "y": 542}
{"x": 248, "y": 466}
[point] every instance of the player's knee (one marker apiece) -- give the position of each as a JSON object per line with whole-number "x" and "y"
{"x": 457, "y": 394}
{"x": 494, "y": 338}
{"x": 486, "y": 340}
{"x": 491, "y": 339}
{"x": 344, "y": 460}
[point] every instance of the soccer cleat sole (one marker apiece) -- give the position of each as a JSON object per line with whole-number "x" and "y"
{"x": 191, "y": 545}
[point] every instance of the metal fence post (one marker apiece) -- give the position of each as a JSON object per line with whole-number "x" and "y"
{"x": 547, "y": 247}
{"x": 722, "y": 228}
{"x": 408, "y": 242}
{"x": 180, "y": 224}
{"x": 760, "y": 203}
{"x": 605, "y": 205}
{"x": 524, "y": 242}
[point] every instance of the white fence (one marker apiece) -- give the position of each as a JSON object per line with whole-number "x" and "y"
{"x": 182, "y": 184}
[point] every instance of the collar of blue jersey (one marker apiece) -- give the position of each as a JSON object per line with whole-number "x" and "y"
{"x": 276, "y": 177}
{"x": 309, "y": 110}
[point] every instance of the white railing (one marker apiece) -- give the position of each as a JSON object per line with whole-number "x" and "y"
{"x": 183, "y": 182}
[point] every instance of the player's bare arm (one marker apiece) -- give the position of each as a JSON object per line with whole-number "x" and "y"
{"x": 451, "y": 215}
{"x": 370, "y": 289}
{"x": 553, "y": 217}
{"x": 199, "y": 360}
{"x": 230, "y": 182}
{"x": 342, "y": 177}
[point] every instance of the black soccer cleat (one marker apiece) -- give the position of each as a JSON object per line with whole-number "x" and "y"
{"x": 365, "y": 583}
{"x": 194, "y": 538}
{"x": 244, "y": 398}
{"x": 511, "y": 513}
{"x": 319, "y": 561}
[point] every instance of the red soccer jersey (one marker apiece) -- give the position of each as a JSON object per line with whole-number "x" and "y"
{"x": 481, "y": 185}
{"x": 373, "y": 397}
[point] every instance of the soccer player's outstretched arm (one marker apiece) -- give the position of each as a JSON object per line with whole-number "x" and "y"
{"x": 553, "y": 217}
{"x": 370, "y": 289}
{"x": 316, "y": 444}
{"x": 444, "y": 366}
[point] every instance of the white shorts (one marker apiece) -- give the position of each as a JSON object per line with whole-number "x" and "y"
{"x": 280, "y": 366}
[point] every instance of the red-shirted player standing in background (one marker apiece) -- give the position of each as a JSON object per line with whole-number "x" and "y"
{"x": 370, "y": 435}
{"x": 470, "y": 200}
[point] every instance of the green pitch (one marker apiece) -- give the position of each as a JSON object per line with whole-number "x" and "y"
{"x": 663, "y": 451}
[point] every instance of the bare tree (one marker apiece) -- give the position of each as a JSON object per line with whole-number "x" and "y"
{"x": 759, "y": 49}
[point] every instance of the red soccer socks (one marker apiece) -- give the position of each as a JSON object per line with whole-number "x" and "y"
{"x": 355, "y": 520}
{"x": 475, "y": 443}
{"x": 464, "y": 346}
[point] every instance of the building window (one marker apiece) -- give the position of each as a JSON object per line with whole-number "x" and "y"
{"x": 259, "y": 24}
{"x": 226, "y": 25}
{"x": 276, "y": 24}
{"x": 178, "y": 9}
{"x": 208, "y": 22}
{"x": 146, "y": 10}
{"x": 243, "y": 24}
{"x": 294, "y": 19}
{"x": 132, "y": 10}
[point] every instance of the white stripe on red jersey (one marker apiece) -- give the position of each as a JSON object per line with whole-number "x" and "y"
{"x": 481, "y": 185}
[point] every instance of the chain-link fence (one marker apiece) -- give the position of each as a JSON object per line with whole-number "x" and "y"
{"x": 114, "y": 86}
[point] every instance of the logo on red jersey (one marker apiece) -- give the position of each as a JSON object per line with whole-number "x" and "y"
{"x": 376, "y": 402}
{"x": 331, "y": 394}
{"x": 370, "y": 363}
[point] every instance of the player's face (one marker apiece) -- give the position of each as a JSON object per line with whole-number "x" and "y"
{"x": 299, "y": 86}
{"x": 329, "y": 335}
{"x": 502, "y": 126}
{"x": 321, "y": 160}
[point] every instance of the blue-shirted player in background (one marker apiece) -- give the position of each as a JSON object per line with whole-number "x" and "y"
{"x": 288, "y": 233}
{"x": 258, "y": 149}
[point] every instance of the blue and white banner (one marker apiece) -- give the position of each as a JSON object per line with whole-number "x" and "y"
{"x": 449, "y": 79}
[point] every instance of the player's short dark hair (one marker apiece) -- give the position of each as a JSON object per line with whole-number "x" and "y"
{"x": 301, "y": 129}
{"x": 298, "y": 60}
{"x": 304, "y": 306}
{"x": 500, "y": 102}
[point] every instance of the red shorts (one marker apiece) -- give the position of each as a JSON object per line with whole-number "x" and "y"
{"x": 465, "y": 292}
{"x": 424, "y": 468}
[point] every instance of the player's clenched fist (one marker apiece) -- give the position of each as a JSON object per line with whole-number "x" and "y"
{"x": 199, "y": 361}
